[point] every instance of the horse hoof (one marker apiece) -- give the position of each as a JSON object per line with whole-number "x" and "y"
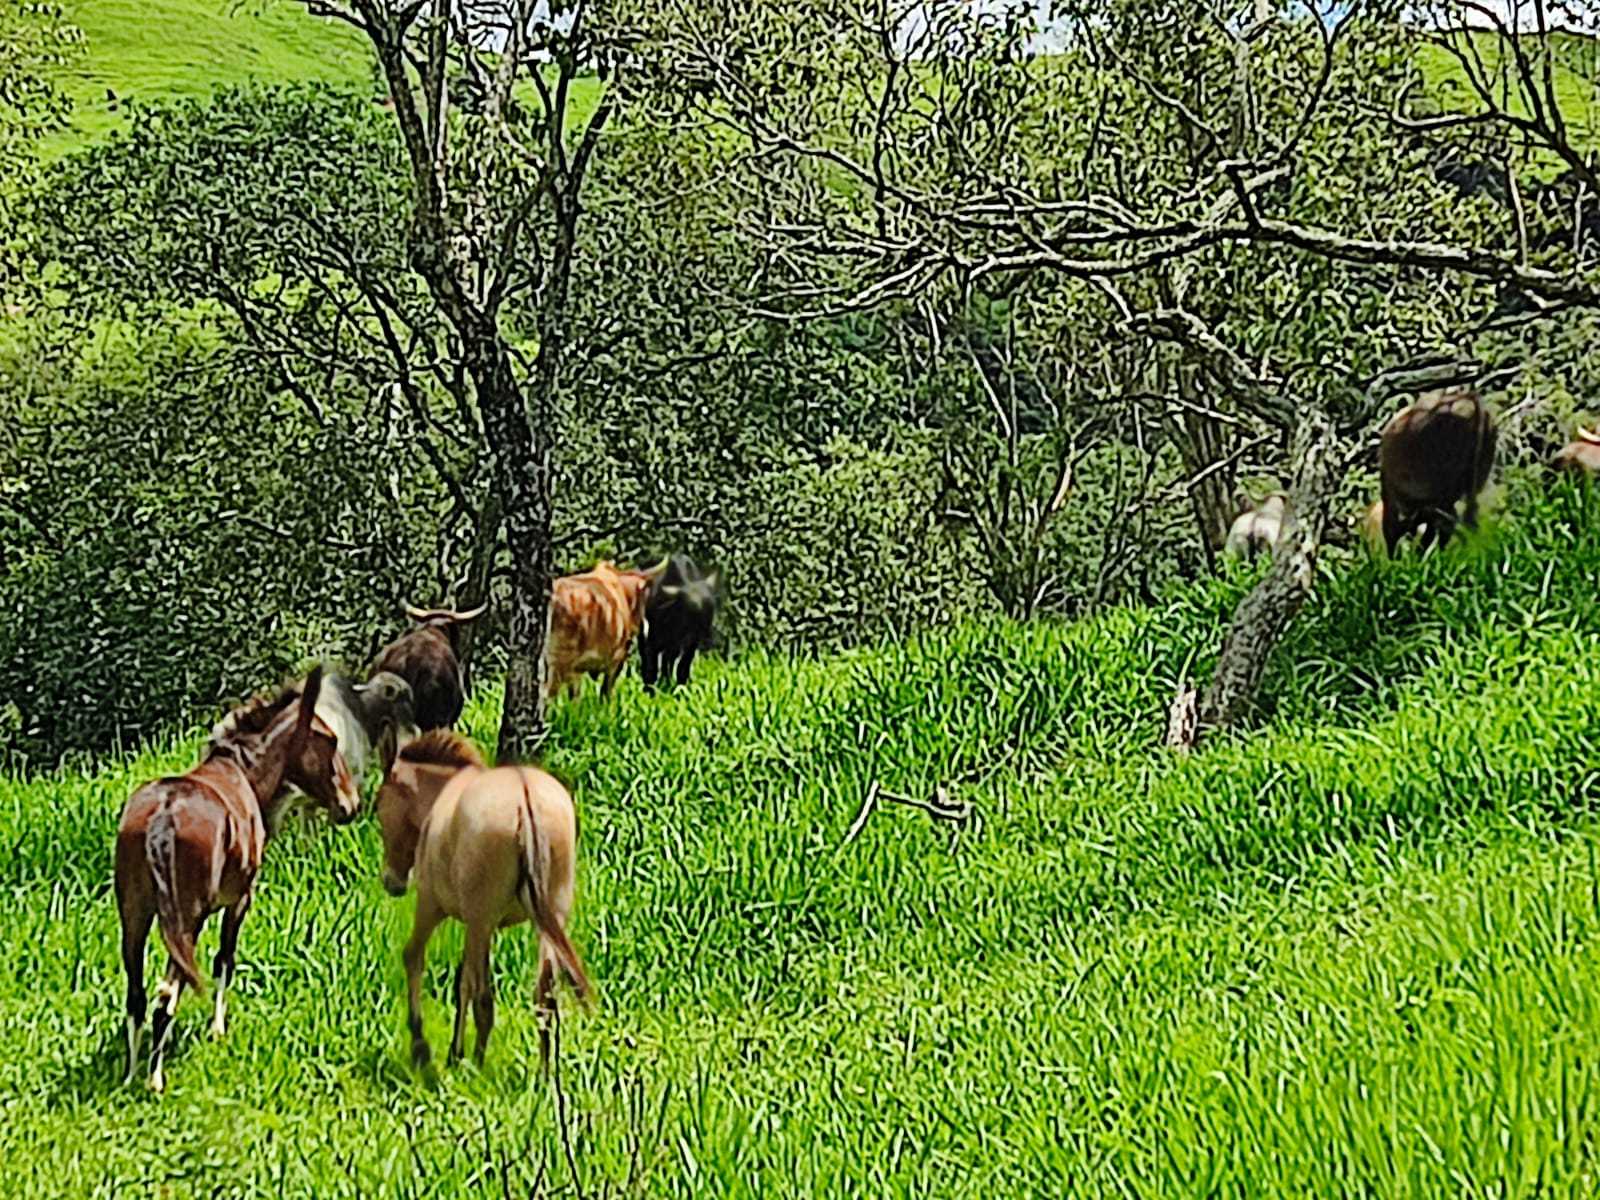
{"x": 158, "y": 1083}
{"x": 218, "y": 1029}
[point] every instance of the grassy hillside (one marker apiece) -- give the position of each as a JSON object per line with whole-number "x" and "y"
{"x": 1352, "y": 952}
{"x": 145, "y": 50}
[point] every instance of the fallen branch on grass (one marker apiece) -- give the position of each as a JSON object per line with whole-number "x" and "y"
{"x": 940, "y": 808}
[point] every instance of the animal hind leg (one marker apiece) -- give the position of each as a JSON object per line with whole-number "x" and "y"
{"x": 483, "y": 1009}
{"x": 1394, "y": 528}
{"x": 136, "y": 921}
{"x": 685, "y": 662}
{"x": 469, "y": 981}
{"x": 415, "y": 955}
{"x": 167, "y": 993}
{"x": 222, "y": 967}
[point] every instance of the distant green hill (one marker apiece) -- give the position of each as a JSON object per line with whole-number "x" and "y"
{"x": 144, "y": 50}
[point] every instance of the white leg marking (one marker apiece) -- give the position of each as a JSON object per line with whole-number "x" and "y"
{"x": 133, "y": 1049}
{"x": 219, "y": 1019}
{"x": 158, "y": 1081}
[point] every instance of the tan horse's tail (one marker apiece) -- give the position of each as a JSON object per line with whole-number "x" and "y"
{"x": 531, "y": 891}
{"x": 161, "y": 852}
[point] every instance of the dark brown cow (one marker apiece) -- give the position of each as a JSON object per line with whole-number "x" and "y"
{"x": 1581, "y": 456}
{"x": 1434, "y": 454}
{"x": 425, "y": 657}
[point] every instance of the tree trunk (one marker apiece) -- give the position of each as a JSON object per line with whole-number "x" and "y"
{"x": 1205, "y": 446}
{"x": 522, "y": 479}
{"x": 1265, "y": 613}
{"x": 480, "y": 572}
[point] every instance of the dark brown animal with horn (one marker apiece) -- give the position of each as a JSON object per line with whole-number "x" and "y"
{"x": 1580, "y": 456}
{"x": 191, "y": 844}
{"x": 1433, "y": 454}
{"x": 427, "y": 658}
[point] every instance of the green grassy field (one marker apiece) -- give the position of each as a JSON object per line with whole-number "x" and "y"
{"x": 1353, "y": 952}
{"x": 148, "y": 50}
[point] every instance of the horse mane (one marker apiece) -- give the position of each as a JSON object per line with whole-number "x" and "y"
{"x": 442, "y": 747}
{"x": 252, "y": 717}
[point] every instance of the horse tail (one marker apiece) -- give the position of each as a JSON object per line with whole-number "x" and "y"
{"x": 531, "y": 891}
{"x": 161, "y": 853}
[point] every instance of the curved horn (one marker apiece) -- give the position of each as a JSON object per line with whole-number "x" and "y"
{"x": 1589, "y": 435}
{"x": 415, "y": 613}
{"x": 471, "y": 613}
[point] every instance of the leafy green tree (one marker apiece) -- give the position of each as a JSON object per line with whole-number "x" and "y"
{"x": 35, "y": 42}
{"x": 1235, "y": 185}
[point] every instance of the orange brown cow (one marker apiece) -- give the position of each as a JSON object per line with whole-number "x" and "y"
{"x": 1580, "y": 456}
{"x": 594, "y": 617}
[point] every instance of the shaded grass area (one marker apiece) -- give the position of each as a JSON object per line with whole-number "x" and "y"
{"x": 1352, "y": 952}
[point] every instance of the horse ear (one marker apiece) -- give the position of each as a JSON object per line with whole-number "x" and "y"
{"x": 308, "y": 704}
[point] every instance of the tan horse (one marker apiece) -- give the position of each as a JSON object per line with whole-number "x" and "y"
{"x": 491, "y": 848}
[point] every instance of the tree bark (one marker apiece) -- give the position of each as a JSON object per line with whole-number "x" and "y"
{"x": 480, "y": 571}
{"x": 1265, "y": 613}
{"x": 1204, "y": 444}
{"x": 522, "y": 478}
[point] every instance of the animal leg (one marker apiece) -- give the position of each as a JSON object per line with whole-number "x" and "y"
{"x": 610, "y": 680}
{"x": 685, "y": 661}
{"x": 483, "y": 1010}
{"x": 223, "y": 965}
{"x": 469, "y": 982}
{"x": 546, "y": 1006}
{"x": 1393, "y": 527}
{"x": 1439, "y": 529}
{"x": 136, "y": 921}
{"x": 167, "y": 993}
{"x": 649, "y": 665}
{"x": 415, "y": 955}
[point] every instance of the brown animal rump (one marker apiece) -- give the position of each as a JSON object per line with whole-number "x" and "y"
{"x": 594, "y": 617}
{"x": 1433, "y": 454}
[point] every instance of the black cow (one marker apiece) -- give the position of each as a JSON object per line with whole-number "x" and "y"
{"x": 678, "y": 617}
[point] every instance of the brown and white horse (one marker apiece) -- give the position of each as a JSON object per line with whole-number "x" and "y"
{"x": 191, "y": 844}
{"x": 491, "y": 848}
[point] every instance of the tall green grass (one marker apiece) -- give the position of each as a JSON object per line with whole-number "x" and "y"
{"x": 1351, "y": 951}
